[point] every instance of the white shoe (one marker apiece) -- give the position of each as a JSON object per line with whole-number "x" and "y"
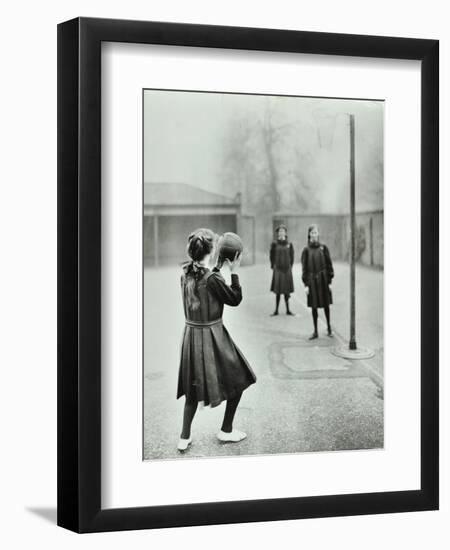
{"x": 232, "y": 437}
{"x": 183, "y": 444}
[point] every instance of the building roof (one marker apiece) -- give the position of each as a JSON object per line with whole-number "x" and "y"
{"x": 180, "y": 194}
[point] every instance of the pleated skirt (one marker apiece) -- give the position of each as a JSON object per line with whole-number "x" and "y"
{"x": 212, "y": 368}
{"x": 282, "y": 282}
{"x": 319, "y": 294}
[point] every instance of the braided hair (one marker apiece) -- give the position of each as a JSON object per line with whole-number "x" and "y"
{"x": 200, "y": 244}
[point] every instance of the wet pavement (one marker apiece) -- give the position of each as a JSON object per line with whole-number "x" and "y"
{"x": 305, "y": 399}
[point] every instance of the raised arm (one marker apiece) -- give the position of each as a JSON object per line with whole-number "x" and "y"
{"x": 229, "y": 295}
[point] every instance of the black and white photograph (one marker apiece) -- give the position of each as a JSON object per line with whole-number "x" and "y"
{"x": 263, "y": 274}
{"x": 226, "y": 248}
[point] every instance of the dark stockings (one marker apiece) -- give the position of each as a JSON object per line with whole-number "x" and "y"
{"x": 286, "y": 301}
{"x": 190, "y": 408}
{"x": 327, "y": 315}
{"x": 230, "y": 411}
{"x": 277, "y": 304}
{"x": 315, "y": 316}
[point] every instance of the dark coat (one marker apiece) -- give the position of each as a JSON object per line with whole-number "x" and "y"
{"x": 281, "y": 262}
{"x": 317, "y": 274}
{"x": 212, "y": 368}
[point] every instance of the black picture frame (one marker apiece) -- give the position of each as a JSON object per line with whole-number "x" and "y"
{"x": 79, "y": 274}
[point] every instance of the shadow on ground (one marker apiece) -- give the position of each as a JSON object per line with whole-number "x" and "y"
{"x": 48, "y": 514}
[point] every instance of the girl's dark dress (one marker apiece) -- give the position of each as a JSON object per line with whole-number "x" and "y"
{"x": 317, "y": 274}
{"x": 281, "y": 261}
{"x": 212, "y": 368}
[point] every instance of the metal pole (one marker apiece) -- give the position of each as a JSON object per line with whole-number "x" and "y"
{"x": 352, "y": 344}
{"x": 352, "y": 352}
{"x": 156, "y": 239}
{"x": 371, "y": 241}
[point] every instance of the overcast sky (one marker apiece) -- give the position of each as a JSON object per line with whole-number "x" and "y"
{"x": 184, "y": 134}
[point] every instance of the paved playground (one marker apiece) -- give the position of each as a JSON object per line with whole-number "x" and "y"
{"x": 305, "y": 399}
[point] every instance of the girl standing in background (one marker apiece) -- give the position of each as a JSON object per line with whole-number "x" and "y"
{"x": 317, "y": 275}
{"x": 281, "y": 262}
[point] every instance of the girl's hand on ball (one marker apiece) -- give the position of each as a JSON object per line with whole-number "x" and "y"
{"x": 233, "y": 265}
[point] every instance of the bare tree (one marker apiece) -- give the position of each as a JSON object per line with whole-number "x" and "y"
{"x": 237, "y": 168}
{"x": 263, "y": 159}
{"x": 305, "y": 193}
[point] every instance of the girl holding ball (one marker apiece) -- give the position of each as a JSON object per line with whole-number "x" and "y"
{"x": 212, "y": 368}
